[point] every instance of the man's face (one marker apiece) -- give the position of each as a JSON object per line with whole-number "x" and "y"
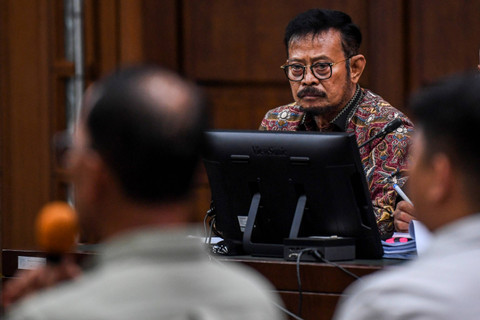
{"x": 81, "y": 178}
{"x": 320, "y": 96}
{"x": 420, "y": 179}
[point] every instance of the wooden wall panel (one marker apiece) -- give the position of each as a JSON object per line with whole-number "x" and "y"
{"x": 162, "y": 33}
{"x": 4, "y": 98}
{"x": 102, "y": 43}
{"x": 232, "y": 48}
{"x": 26, "y": 127}
{"x": 444, "y": 39}
{"x": 243, "y": 40}
{"x": 385, "y": 40}
{"x": 32, "y": 95}
{"x": 130, "y": 31}
{"x": 244, "y": 107}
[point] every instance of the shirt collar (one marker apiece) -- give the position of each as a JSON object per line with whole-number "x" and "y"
{"x": 339, "y": 123}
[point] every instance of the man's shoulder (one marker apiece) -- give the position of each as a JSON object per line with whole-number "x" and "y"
{"x": 373, "y": 297}
{"x": 439, "y": 284}
{"x": 50, "y": 303}
{"x": 140, "y": 282}
{"x": 374, "y": 109}
{"x": 373, "y": 103}
{"x": 291, "y": 110}
{"x": 286, "y": 117}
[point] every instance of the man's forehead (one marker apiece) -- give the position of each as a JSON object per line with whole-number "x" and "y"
{"x": 333, "y": 36}
{"x": 329, "y": 40}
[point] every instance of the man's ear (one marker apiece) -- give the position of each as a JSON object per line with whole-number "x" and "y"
{"x": 442, "y": 180}
{"x": 96, "y": 177}
{"x": 357, "y": 65}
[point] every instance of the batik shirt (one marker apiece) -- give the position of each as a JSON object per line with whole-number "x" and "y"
{"x": 384, "y": 160}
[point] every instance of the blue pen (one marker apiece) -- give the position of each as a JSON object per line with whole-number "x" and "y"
{"x": 401, "y": 193}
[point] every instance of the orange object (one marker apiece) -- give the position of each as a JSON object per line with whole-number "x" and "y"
{"x": 57, "y": 227}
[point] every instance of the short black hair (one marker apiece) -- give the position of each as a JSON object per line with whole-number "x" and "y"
{"x": 315, "y": 21}
{"x": 151, "y": 146}
{"x": 448, "y": 114}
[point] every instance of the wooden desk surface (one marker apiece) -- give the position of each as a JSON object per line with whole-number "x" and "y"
{"x": 322, "y": 284}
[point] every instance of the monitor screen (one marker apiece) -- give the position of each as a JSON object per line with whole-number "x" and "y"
{"x": 268, "y": 186}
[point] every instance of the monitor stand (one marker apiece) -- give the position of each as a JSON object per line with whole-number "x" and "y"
{"x": 270, "y": 249}
{"x": 331, "y": 248}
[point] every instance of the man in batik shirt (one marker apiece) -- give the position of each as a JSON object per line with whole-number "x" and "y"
{"x": 324, "y": 67}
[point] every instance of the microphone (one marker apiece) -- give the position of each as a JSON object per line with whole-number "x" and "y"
{"x": 389, "y": 127}
{"x": 56, "y": 230}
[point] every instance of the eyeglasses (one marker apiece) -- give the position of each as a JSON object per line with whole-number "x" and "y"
{"x": 321, "y": 70}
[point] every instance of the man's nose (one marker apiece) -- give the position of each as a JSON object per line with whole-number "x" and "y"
{"x": 309, "y": 78}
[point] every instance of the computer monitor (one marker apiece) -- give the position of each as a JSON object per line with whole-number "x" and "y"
{"x": 268, "y": 186}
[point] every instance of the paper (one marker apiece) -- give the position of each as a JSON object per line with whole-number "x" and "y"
{"x": 421, "y": 235}
{"x": 30, "y": 263}
{"x": 407, "y": 245}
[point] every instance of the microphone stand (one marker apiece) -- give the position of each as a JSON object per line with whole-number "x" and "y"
{"x": 389, "y": 127}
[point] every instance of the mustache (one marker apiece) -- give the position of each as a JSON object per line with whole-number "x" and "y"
{"x": 311, "y": 91}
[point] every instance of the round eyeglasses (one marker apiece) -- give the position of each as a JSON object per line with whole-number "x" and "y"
{"x": 321, "y": 70}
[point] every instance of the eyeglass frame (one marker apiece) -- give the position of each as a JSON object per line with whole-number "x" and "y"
{"x": 330, "y": 64}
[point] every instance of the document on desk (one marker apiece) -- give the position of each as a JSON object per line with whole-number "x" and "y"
{"x": 407, "y": 245}
{"x": 399, "y": 246}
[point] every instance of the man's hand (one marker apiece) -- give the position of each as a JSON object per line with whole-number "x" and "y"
{"x": 404, "y": 213}
{"x": 27, "y": 282}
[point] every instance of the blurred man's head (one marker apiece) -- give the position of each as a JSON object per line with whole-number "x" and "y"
{"x": 323, "y": 62}
{"x": 446, "y": 153}
{"x": 139, "y": 139}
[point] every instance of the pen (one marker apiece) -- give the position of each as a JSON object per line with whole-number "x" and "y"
{"x": 401, "y": 193}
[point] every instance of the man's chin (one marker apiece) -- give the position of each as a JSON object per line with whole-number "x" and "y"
{"x": 318, "y": 110}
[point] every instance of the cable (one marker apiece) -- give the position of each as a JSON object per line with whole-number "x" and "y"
{"x": 299, "y": 281}
{"x": 319, "y": 256}
{"x": 205, "y": 226}
{"x": 291, "y": 314}
{"x": 209, "y": 214}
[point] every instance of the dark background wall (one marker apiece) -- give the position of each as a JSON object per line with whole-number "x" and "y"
{"x": 232, "y": 48}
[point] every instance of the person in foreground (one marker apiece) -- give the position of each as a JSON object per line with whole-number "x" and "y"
{"x": 324, "y": 67}
{"x": 443, "y": 282}
{"x": 405, "y": 212}
{"x": 135, "y": 153}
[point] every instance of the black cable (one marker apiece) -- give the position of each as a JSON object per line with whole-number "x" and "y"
{"x": 299, "y": 281}
{"x": 211, "y": 213}
{"x": 205, "y": 226}
{"x": 291, "y": 314}
{"x": 319, "y": 256}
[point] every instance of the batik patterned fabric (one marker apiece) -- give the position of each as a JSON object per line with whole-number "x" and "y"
{"x": 384, "y": 161}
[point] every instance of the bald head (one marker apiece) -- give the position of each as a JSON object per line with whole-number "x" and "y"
{"x": 147, "y": 124}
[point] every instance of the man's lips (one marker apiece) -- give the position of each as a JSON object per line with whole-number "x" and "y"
{"x": 311, "y": 96}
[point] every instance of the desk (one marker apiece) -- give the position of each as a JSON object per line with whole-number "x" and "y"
{"x": 322, "y": 284}
{"x": 12, "y": 258}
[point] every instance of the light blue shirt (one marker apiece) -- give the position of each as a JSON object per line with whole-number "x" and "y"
{"x": 443, "y": 283}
